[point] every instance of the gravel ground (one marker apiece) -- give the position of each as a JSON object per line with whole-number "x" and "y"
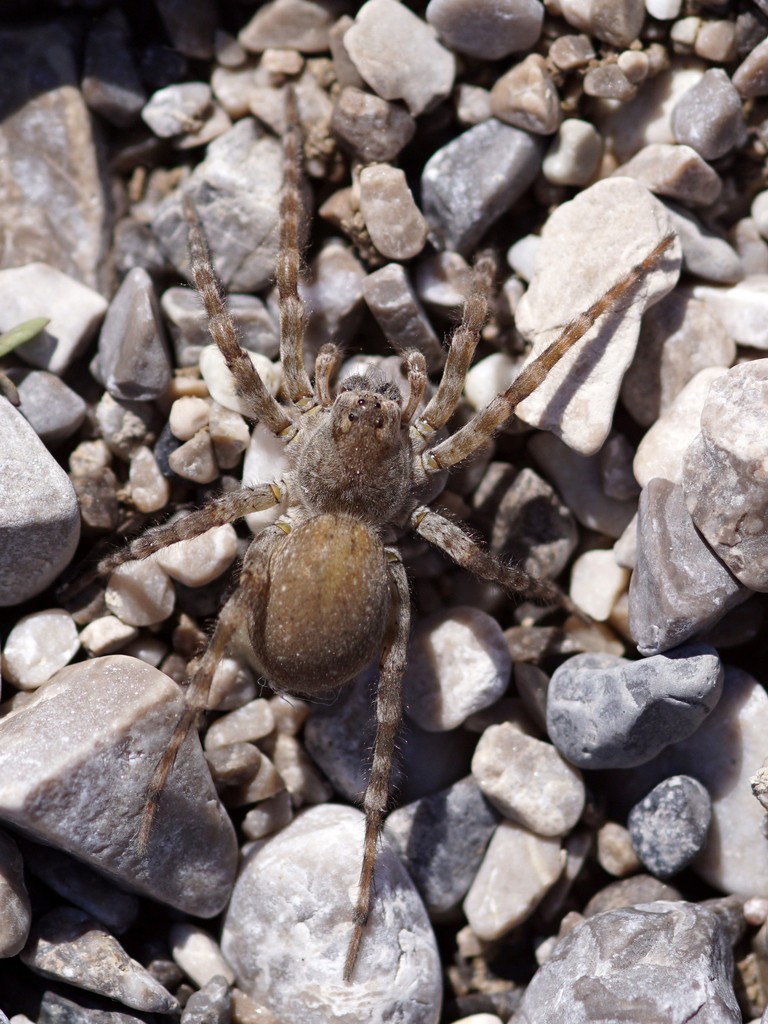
{"x": 578, "y": 826}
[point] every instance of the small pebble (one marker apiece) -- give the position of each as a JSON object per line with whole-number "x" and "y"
{"x": 629, "y": 891}
{"x": 597, "y": 582}
{"x": 717, "y": 41}
{"x": 709, "y": 117}
{"x": 569, "y": 52}
{"x": 140, "y": 593}
{"x": 489, "y": 377}
{"x": 198, "y": 954}
{"x": 458, "y": 663}
{"x": 106, "y": 635}
{"x": 615, "y": 853}
{"x": 606, "y": 712}
{"x": 229, "y": 436}
{"x": 149, "y": 488}
{"x": 15, "y": 906}
{"x": 390, "y": 297}
{"x": 528, "y": 781}
{"x": 333, "y": 291}
{"x": 616, "y": 468}
{"x": 195, "y": 459}
{"x": 125, "y": 426}
{"x": 201, "y": 559}
{"x": 234, "y": 764}
{"x": 517, "y": 870}
{"x": 705, "y": 253}
{"x": 38, "y": 646}
{"x": 178, "y": 109}
{"x": 187, "y": 416}
{"x": 211, "y": 1005}
{"x": 399, "y": 56}
{"x": 189, "y": 325}
{"x": 371, "y": 127}
{"x": 526, "y": 97}
{"x": 288, "y": 23}
{"x": 618, "y": 23}
{"x": 741, "y": 309}
{"x": 221, "y": 385}
{"x": 268, "y": 817}
{"x": 394, "y": 222}
{"x": 487, "y": 29}
{"x": 266, "y": 783}
{"x": 252, "y": 722}
{"x": 302, "y": 779}
{"x": 522, "y": 256}
{"x": 574, "y": 155}
{"x": 608, "y": 82}
{"x": 669, "y": 826}
{"x": 54, "y": 410}
{"x": 675, "y": 171}
{"x": 751, "y": 76}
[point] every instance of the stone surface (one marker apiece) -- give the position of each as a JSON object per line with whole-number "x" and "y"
{"x": 615, "y": 853}
{"x": 394, "y": 222}
{"x": 15, "y": 906}
{"x": 398, "y": 55}
{"x": 669, "y": 826}
{"x": 298, "y": 24}
{"x": 458, "y": 663}
{"x": 106, "y": 634}
{"x": 671, "y": 601}
{"x": 178, "y": 109}
{"x": 189, "y": 325}
{"x": 723, "y": 471}
{"x": 474, "y": 179}
{"x": 488, "y": 29}
{"x": 390, "y": 297}
{"x": 665, "y": 961}
{"x": 372, "y": 128}
{"x": 198, "y": 954}
{"x": 68, "y": 945}
{"x": 577, "y": 400}
{"x": 201, "y": 559}
{"x": 441, "y": 839}
{"x": 709, "y": 117}
{"x": 606, "y": 712}
{"x": 597, "y": 582}
{"x": 149, "y": 488}
{"x": 674, "y": 171}
{"x": 38, "y": 646}
{"x": 111, "y": 84}
{"x": 397, "y": 976}
{"x": 211, "y": 1005}
{"x": 528, "y": 781}
{"x": 221, "y": 384}
{"x": 629, "y": 891}
{"x": 574, "y": 154}
{"x": 705, "y": 253}
{"x": 608, "y": 82}
{"x": 526, "y": 97}
{"x": 741, "y": 309}
{"x": 54, "y": 410}
{"x": 39, "y": 518}
{"x": 617, "y": 23}
{"x": 140, "y": 593}
{"x": 751, "y": 76}
{"x": 87, "y": 795}
{"x": 517, "y": 870}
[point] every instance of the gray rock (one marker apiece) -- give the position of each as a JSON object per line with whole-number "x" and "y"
{"x": 669, "y": 826}
{"x": 389, "y": 295}
{"x": 393, "y": 220}
{"x": 474, "y": 179}
{"x": 189, "y": 325}
{"x": 54, "y": 206}
{"x": 132, "y": 361}
{"x": 751, "y": 76}
{"x": 606, "y": 712}
{"x": 39, "y": 517}
{"x": 488, "y": 29}
{"x": 708, "y": 117}
{"x": 705, "y": 254}
{"x": 674, "y": 171}
{"x": 54, "y": 410}
{"x": 126, "y": 426}
{"x": 398, "y": 55}
{"x": 723, "y": 471}
{"x": 654, "y": 961}
{"x": 629, "y": 891}
{"x": 608, "y": 82}
{"x": 441, "y": 840}
{"x": 526, "y": 97}
{"x": 111, "y": 84}
{"x": 292, "y": 904}
{"x": 67, "y": 945}
{"x": 749, "y": 242}
{"x": 679, "y": 587}
{"x": 15, "y": 906}
{"x": 618, "y": 23}
{"x": 211, "y": 1005}
{"x": 87, "y": 796}
{"x": 372, "y": 128}
{"x": 333, "y": 292}
{"x": 296, "y": 24}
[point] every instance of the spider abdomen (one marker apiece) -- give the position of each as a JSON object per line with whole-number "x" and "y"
{"x": 326, "y": 606}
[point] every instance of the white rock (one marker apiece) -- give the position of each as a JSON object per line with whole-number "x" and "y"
{"x": 664, "y": 10}
{"x": 38, "y": 646}
{"x": 265, "y": 462}
{"x": 150, "y": 490}
{"x": 140, "y": 593}
{"x": 661, "y": 451}
{"x": 252, "y": 722}
{"x": 743, "y": 309}
{"x": 574, "y": 154}
{"x": 177, "y": 109}
{"x": 759, "y": 212}
{"x": 577, "y": 400}
{"x": 597, "y": 582}
{"x": 522, "y": 256}
{"x": 488, "y": 377}
{"x": 517, "y": 870}
{"x": 268, "y": 816}
{"x": 188, "y": 415}
{"x": 219, "y": 380}
{"x": 106, "y": 635}
{"x": 198, "y": 954}
{"x": 199, "y": 560}
{"x": 458, "y": 663}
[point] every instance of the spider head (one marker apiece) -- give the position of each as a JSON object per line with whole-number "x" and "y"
{"x": 367, "y": 411}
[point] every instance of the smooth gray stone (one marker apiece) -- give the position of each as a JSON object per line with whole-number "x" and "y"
{"x": 488, "y": 29}
{"x": 475, "y": 178}
{"x": 607, "y": 712}
{"x": 39, "y": 516}
{"x": 292, "y": 905}
{"x": 189, "y": 325}
{"x": 54, "y": 410}
{"x": 708, "y": 117}
{"x": 679, "y": 587}
{"x": 629, "y": 891}
{"x": 705, "y": 254}
{"x": 132, "y": 360}
{"x": 441, "y": 839}
{"x": 15, "y": 907}
{"x": 669, "y": 826}
{"x": 372, "y": 128}
{"x": 75, "y": 768}
{"x": 660, "y": 961}
{"x": 211, "y": 1005}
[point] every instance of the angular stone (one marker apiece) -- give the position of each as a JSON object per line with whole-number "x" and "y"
{"x": 198, "y": 954}
{"x": 526, "y": 97}
{"x": 674, "y": 171}
{"x": 211, "y": 1005}
{"x": 374, "y": 129}
{"x": 296, "y": 24}
{"x": 394, "y": 222}
{"x": 178, "y": 109}
{"x": 333, "y": 292}
{"x": 742, "y": 309}
{"x": 389, "y": 295}
{"x": 201, "y": 559}
{"x": 488, "y": 29}
{"x": 608, "y": 82}
{"x": 709, "y": 117}
{"x": 87, "y": 796}
{"x": 597, "y": 583}
{"x": 629, "y": 891}
{"x": 140, "y": 593}
{"x": 618, "y": 23}
{"x": 398, "y": 974}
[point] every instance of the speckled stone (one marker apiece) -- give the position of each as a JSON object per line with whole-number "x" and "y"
{"x": 669, "y": 826}
{"x": 372, "y": 128}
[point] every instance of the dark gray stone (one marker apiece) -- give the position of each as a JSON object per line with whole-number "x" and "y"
{"x": 54, "y": 410}
{"x": 669, "y": 826}
{"x": 111, "y": 84}
{"x": 607, "y": 712}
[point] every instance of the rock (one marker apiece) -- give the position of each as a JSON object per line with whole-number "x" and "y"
{"x": 54, "y": 410}
{"x": 672, "y": 959}
{"x": 751, "y": 76}
{"x": 616, "y": 468}
{"x": 140, "y": 593}
{"x": 488, "y": 29}
{"x": 39, "y": 518}
{"x": 397, "y": 976}
{"x": 569, "y": 52}
{"x": 178, "y": 109}
{"x": 268, "y": 817}
{"x": 741, "y": 309}
{"x": 669, "y": 826}
{"x": 671, "y": 601}
{"x": 398, "y": 55}
{"x": 606, "y": 712}
{"x": 333, "y": 292}
{"x": 390, "y": 297}
{"x": 527, "y": 780}
{"x": 220, "y": 382}
{"x": 124, "y": 426}
{"x": 394, "y": 222}
{"x": 750, "y": 245}
{"x": 67, "y": 945}
{"x": 149, "y": 488}
{"x": 617, "y": 23}
{"x": 458, "y": 663}
{"x": 111, "y": 84}
{"x": 195, "y": 459}
{"x": 211, "y": 1005}
{"x": 704, "y": 253}
{"x": 201, "y": 559}
{"x": 474, "y": 179}
{"x": 574, "y": 155}
{"x": 628, "y": 892}
{"x": 87, "y": 796}
{"x": 38, "y": 646}
{"x": 718, "y": 41}
{"x": 679, "y": 337}
{"x": 723, "y": 469}
{"x": 615, "y": 853}
{"x": 597, "y": 583}
{"x": 73, "y": 309}
{"x": 189, "y": 325}
{"x": 674, "y": 171}
{"x": 526, "y": 97}
{"x": 517, "y": 870}
{"x": 441, "y": 840}
{"x": 608, "y": 82}
{"x": 297, "y": 24}
{"x": 709, "y": 117}
{"x": 190, "y": 26}
{"x": 198, "y": 954}
{"x": 578, "y": 398}
{"x": 372, "y": 128}
{"x": 229, "y": 436}
{"x": 15, "y": 906}
{"x": 55, "y": 198}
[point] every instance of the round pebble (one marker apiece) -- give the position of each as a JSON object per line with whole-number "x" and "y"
{"x": 198, "y": 954}
{"x": 709, "y": 117}
{"x": 488, "y": 29}
{"x": 574, "y": 155}
{"x": 394, "y": 222}
{"x": 187, "y": 416}
{"x": 140, "y": 593}
{"x": 201, "y": 559}
{"x": 669, "y": 826}
{"x": 38, "y": 646}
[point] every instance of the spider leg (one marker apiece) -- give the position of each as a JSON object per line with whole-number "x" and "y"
{"x": 292, "y": 313}
{"x": 389, "y": 710}
{"x": 249, "y": 385}
{"x": 416, "y": 369}
{"x": 464, "y": 341}
{"x": 484, "y": 424}
{"x": 451, "y": 539}
{"x": 326, "y": 364}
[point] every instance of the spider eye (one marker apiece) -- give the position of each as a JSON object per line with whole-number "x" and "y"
{"x": 379, "y": 422}
{"x": 352, "y": 417}
{"x": 361, "y": 401}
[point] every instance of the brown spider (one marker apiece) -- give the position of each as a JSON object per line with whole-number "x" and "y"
{"x": 323, "y": 590}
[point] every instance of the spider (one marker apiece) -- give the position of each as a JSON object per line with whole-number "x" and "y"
{"x": 323, "y": 590}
